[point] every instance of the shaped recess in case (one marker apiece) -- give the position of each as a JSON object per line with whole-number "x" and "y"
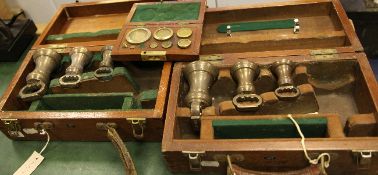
{"x": 161, "y": 31}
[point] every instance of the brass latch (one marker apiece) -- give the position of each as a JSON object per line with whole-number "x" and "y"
{"x": 138, "y": 125}
{"x": 364, "y": 158}
{"x": 13, "y": 126}
{"x": 195, "y": 159}
{"x": 153, "y": 55}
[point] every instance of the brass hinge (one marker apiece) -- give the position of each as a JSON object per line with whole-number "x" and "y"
{"x": 211, "y": 58}
{"x": 364, "y": 158}
{"x": 58, "y": 47}
{"x": 324, "y": 54}
{"x": 183, "y": 23}
{"x": 13, "y": 126}
{"x": 194, "y": 158}
{"x": 138, "y": 125}
{"x": 153, "y": 55}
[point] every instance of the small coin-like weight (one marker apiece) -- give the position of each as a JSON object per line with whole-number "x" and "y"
{"x": 153, "y": 45}
{"x": 163, "y": 33}
{"x": 166, "y": 44}
{"x": 184, "y": 43}
{"x": 184, "y": 32}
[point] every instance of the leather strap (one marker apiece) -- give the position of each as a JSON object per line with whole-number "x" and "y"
{"x": 311, "y": 170}
{"x": 123, "y": 152}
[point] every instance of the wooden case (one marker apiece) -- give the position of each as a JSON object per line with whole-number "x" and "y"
{"x": 20, "y": 120}
{"x": 89, "y": 24}
{"x": 133, "y": 52}
{"x": 331, "y": 68}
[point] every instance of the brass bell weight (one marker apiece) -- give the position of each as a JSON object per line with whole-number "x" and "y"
{"x": 105, "y": 70}
{"x": 200, "y": 75}
{"x": 80, "y": 56}
{"x": 283, "y": 70}
{"x": 244, "y": 73}
{"x": 46, "y": 60}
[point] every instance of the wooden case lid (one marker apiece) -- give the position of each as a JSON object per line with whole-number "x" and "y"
{"x": 324, "y": 29}
{"x": 89, "y": 24}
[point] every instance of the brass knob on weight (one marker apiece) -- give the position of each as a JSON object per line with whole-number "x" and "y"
{"x": 244, "y": 73}
{"x": 105, "y": 70}
{"x": 80, "y": 56}
{"x": 200, "y": 75}
{"x": 46, "y": 60}
{"x": 286, "y": 90}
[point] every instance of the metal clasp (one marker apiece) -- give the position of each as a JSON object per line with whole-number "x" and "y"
{"x": 195, "y": 159}
{"x": 13, "y": 126}
{"x": 153, "y": 55}
{"x": 229, "y": 30}
{"x": 138, "y": 125}
{"x": 364, "y": 158}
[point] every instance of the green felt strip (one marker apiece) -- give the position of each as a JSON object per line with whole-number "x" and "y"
{"x": 90, "y": 75}
{"x": 277, "y": 128}
{"x": 83, "y": 35}
{"x": 83, "y": 102}
{"x": 148, "y": 95}
{"x": 258, "y": 25}
{"x": 167, "y": 12}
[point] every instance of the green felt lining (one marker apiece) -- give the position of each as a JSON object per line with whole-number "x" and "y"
{"x": 84, "y": 102}
{"x": 257, "y": 25}
{"x": 166, "y": 12}
{"x": 148, "y": 95}
{"x": 60, "y": 37}
{"x": 265, "y": 128}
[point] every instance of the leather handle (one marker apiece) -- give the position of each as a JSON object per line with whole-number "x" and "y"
{"x": 236, "y": 170}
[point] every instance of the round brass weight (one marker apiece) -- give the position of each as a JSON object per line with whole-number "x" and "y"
{"x": 153, "y": 45}
{"x": 166, "y": 44}
{"x": 162, "y": 34}
{"x": 184, "y": 43}
{"x": 138, "y": 35}
{"x": 184, "y": 32}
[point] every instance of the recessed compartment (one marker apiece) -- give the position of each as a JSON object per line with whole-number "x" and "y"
{"x": 139, "y": 82}
{"x": 319, "y": 24}
{"x": 99, "y": 22}
{"x": 327, "y": 87}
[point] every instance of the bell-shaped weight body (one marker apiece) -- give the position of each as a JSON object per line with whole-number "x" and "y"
{"x": 200, "y": 75}
{"x": 46, "y": 60}
{"x": 105, "y": 70}
{"x": 244, "y": 73}
{"x": 283, "y": 70}
{"x": 80, "y": 56}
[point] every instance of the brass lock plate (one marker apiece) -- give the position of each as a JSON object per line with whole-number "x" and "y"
{"x": 153, "y": 55}
{"x": 138, "y": 125}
